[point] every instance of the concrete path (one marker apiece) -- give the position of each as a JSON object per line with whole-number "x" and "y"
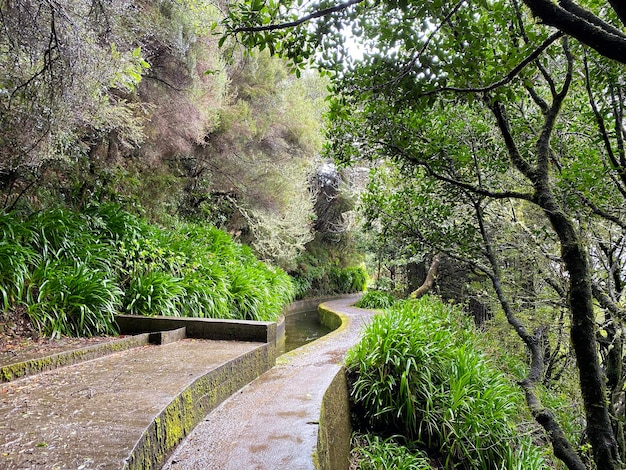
{"x": 272, "y": 423}
{"x": 91, "y": 415}
{"x": 129, "y": 409}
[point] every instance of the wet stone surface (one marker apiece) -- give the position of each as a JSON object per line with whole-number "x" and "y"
{"x": 272, "y": 423}
{"x": 90, "y": 415}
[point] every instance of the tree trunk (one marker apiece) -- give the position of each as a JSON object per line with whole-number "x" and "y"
{"x": 563, "y": 450}
{"x": 429, "y": 282}
{"x": 583, "y": 333}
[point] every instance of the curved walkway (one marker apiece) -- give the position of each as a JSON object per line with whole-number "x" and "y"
{"x": 129, "y": 409}
{"x": 273, "y": 422}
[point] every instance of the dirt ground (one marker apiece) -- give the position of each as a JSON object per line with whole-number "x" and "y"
{"x": 20, "y": 340}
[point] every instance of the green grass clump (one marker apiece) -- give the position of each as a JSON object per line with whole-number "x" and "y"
{"x": 376, "y": 299}
{"x": 73, "y": 300}
{"x": 74, "y": 270}
{"x": 417, "y": 372}
{"x": 314, "y": 280}
{"x": 372, "y": 452}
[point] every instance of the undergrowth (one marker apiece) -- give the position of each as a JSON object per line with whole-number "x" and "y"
{"x": 376, "y": 299}
{"x": 417, "y": 373}
{"x": 74, "y": 270}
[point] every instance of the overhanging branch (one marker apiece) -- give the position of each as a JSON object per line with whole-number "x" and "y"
{"x": 299, "y": 21}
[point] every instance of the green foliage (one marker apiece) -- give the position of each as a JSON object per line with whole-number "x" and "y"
{"x": 376, "y": 299}
{"x": 73, "y": 300}
{"x": 417, "y": 372}
{"x": 350, "y": 279}
{"x": 372, "y": 452}
{"x": 153, "y": 293}
{"x": 74, "y": 270}
{"x": 314, "y": 278}
{"x": 198, "y": 271}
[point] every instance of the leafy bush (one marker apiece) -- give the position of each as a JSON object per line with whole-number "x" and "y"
{"x": 371, "y": 452}
{"x": 73, "y": 300}
{"x": 376, "y": 299}
{"x": 153, "y": 293}
{"x": 16, "y": 263}
{"x": 417, "y": 373}
{"x": 317, "y": 277}
{"x": 74, "y": 270}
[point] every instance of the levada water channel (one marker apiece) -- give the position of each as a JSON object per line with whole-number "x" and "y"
{"x": 302, "y": 328}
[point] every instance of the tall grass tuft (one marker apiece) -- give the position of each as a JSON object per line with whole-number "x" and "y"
{"x": 417, "y": 373}
{"x": 73, "y": 300}
{"x": 16, "y": 264}
{"x": 376, "y": 299}
{"x": 372, "y": 452}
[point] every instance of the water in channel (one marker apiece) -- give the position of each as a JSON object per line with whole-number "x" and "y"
{"x": 302, "y": 328}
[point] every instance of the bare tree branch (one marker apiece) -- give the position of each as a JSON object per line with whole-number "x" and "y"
{"x": 299, "y": 21}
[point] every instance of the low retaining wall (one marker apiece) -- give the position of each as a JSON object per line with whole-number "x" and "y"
{"x": 334, "y": 434}
{"x": 190, "y": 407}
{"x": 335, "y": 428}
{"x": 204, "y": 328}
{"x": 306, "y": 305}
{"x": 66, "y": 358}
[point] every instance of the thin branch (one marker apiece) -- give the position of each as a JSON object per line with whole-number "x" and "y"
{"x": 299, "y": 21}
{"x": 417, "y": 56}
{"x": 600, "y": 122}
{"x": 509, "y": 76}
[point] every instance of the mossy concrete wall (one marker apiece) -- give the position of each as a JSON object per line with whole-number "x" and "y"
{"x": 179, "y": 418}
{"x": 328, "y": 318}
{"x": 335, "y": 429}
{"x": 34, "y": 366}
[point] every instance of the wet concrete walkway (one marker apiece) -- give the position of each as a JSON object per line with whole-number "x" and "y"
{"x": 128, "y": 409}
{"x": 91, "y": 415}
{"x": 273, "y": 422}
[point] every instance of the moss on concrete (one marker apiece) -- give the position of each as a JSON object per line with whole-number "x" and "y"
{"x": 330, "y": 319}
{"x": 11, "y": 372}
{"x": 335, "y": 429}
{"x": 185, "y": 411}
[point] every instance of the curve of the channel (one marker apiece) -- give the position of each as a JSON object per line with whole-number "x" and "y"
{"x": 273, "y": 422}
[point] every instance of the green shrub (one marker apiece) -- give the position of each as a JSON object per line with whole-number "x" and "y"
{"x": 313, "y": 278}
{"x": 59, "y": 263}
{"x": 16, "y": 263}
{"x": 371, "y": 452}
{"x": 205, "y": 296}
{"x": 73, "y": 300}
{"x": 417, "y": 373}
{"x": 153, "y": 293}
{"x": 376, "y": 299}
{"x": 110, "y": 221}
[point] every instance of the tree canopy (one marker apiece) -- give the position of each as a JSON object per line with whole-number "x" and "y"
{"x": 486, "y": 110}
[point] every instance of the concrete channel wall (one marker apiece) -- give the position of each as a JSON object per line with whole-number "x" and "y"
{"x": 182, "y": 415}
{"x": 194, "y": 401}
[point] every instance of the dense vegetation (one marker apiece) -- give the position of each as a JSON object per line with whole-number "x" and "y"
{"x": 73, "y": 271}
{"x": 498, "y": 172}
{"x": 498, "y": 142}
{"x": 127, "y": 135}
{"x": 419, "y": 382}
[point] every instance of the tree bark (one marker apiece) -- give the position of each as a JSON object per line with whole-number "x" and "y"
{"x": 583, "y": 25}
{"x": 429, "y": 282}
{"x": 563, "y": 450}
{"x": 583, "y": 333}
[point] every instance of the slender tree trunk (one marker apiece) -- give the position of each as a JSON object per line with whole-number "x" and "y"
{"x": 583, "y": 333}
{"x": 574, "y": 256}
{"x": 563, "y": 449}
{"x": 429, "y": 282}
